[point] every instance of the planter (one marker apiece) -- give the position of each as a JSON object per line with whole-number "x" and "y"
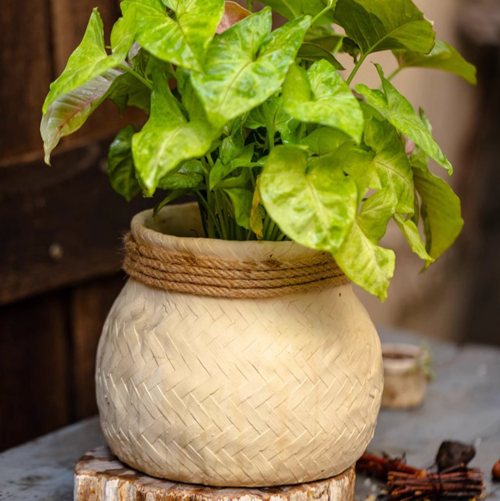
{"x": 405, "y": 380}
{"x": 268, "y": 374}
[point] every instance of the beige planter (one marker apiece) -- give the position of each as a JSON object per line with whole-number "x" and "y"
{"x": 405, "y": 380}
{"x": 236, "y": 392}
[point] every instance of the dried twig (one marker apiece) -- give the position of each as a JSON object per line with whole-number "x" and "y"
{"x": 458, "y": 482}
{"x": 406, "y": 483}
{"x": 379, "y": 467}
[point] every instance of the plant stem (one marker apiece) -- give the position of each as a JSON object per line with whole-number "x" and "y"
{"x": 322, "y": 13}
{"x": 394, "y": 74}
{"x": 356, "y": 69}
{"x": 250, "y": 5}
{"x": 128, "y": 69}
{"x": 270, "y": 127}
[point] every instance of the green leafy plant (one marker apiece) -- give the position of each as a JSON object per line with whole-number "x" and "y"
{"x": 262, "y": 126}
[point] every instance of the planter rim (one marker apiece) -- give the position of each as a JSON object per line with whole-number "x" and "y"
{"x": 177, "y": 228}
{"x": 397, "y": 366}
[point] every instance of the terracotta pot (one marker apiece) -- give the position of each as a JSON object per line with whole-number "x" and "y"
{"x": 236, "y": 392}
{"x": 405, "y": 381}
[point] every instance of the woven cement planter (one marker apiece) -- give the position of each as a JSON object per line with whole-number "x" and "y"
{"x": 231, "y": 391}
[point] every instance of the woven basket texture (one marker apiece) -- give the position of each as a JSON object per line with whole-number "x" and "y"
{"x": 236, "y": 392}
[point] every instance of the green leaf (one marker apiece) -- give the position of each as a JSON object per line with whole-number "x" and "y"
{"x": 127, "y": 90}
{"x": 341, "y": 152}
{"x": 365, "y": 263}
{"x": 70, "y": 111}
{"x": 171, "y": 197}
{"x": 246, "y": 65}
{"x": 360, "y": 257}
{"x": 391, "y": 163}
{"x": 400, "y": 113}
{"x": 292, "y": 9}
{"x": 412, "y": 235}
{"x": 321, "y": 96}
{"x": 182, "y": 39}
{"x": 324, "y": 36}
{"x": 256, "y": 214}
{"x": 188, "y": 176}
{"x": 232, "y": 145}
{"x": 324, "y": 141}
{"x": 313, "y": 206}
{"x": 312, "y": 52}
{"x": 351, "y": 47}
{"x": 377, "y": 25}
{"x": 441, "y": 211}
{"x": 272, "y": 112}
{"x": 377, "y": 211}
{"x": 442, "y": 57}
{"x": 221, "y": 170}
{"x": 121, "y": 169}
{"x": 87, "y": 62}
{"x": 168, "y": 138}
{"x": 242, "y": 205}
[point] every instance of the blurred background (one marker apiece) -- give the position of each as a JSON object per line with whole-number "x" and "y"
{"x": 60, "y": 227}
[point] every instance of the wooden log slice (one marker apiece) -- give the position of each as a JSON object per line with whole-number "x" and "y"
{"x": 100, "y": 476}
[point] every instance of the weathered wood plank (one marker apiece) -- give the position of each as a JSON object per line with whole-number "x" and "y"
{"x": 60, "y": 224}
{"x": 34, "y": 369}
{"x": 26, "y": 71}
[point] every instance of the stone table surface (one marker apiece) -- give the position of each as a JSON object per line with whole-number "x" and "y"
{"x": 463, "y": 403}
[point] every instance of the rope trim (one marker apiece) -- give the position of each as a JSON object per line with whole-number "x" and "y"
{"x": 214, "y": 277}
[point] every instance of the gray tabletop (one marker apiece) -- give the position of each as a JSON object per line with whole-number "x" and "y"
{"x": 462, "y": 404}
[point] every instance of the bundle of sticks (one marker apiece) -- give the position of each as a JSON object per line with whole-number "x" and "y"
{"x": 406, "y": 483}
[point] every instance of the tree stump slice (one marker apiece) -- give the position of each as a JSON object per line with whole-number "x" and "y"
{"x": 100, "y": 476}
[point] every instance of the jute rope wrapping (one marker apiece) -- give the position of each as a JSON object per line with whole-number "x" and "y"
{"x": 209, "y": 276}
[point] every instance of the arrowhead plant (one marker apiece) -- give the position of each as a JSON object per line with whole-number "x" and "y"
{"x": 263, "y": 127}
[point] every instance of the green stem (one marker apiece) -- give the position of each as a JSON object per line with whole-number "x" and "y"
{"x": 394, "y": 74}
{"x": 250, "y": 5}
{"x": 128, "y": 69}
{"x": 322, "y": 13}
{"x": 211, "y": 216}
{"x": 356, "y": 69}
{"x": 270, "y": 127}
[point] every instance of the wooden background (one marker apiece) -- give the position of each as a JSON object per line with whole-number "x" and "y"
{"x": 60, "y": 227}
